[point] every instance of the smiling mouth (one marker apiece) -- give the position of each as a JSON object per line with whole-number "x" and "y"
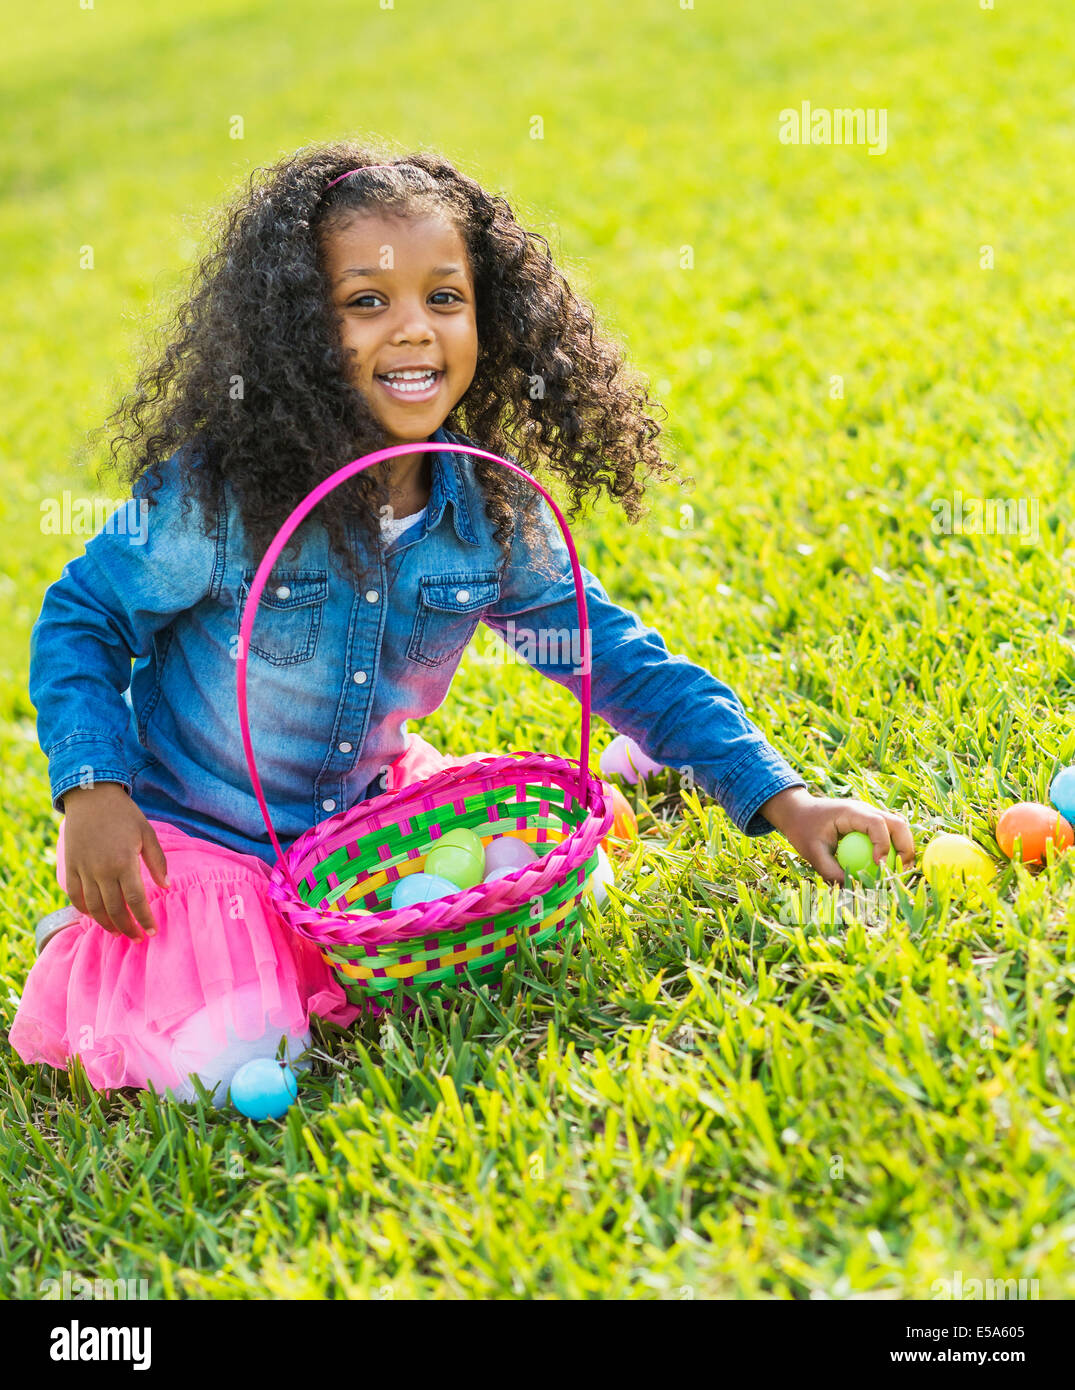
{"x": 412, "y": 387}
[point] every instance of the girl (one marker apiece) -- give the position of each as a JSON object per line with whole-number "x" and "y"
{"x": 351, "y": 303}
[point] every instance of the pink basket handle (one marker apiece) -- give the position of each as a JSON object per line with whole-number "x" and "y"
{"x": 284, "y": 535}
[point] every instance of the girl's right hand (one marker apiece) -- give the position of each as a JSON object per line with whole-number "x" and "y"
{"x": 104, "y": 834}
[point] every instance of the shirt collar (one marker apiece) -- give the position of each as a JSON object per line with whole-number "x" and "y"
{"x": 447, "y": 486}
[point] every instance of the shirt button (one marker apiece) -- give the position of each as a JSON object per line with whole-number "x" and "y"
{"x": 329, "y": 804}
{"x": 359, "y": 677}
{"x": 283, "y": 592}
{"x": 372, "y": 596}
{"x": 345, "y": 747}
{"x": 462, "y": 596}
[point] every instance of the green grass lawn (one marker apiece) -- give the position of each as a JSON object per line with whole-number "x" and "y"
{"x": 708, "y": 1098}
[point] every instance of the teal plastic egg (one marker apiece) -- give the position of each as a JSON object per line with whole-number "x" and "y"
{"x": 264, "y": 1089}
{"x": 421, "y": 888}
{"x": 1062, "y": 793}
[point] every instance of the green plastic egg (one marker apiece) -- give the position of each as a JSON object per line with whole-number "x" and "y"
{"x": 458, "y": 856}
{"x": 854, "y": 854}
{"x": 465, "y": 839}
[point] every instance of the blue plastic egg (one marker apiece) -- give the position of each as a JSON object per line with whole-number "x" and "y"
{"x": 264, "y": 1089}
{"x": 1062, "y": 793}
{"x": 421, "y": 888}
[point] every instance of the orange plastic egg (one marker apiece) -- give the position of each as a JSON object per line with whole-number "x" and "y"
{"x": 1032, "y": 824}
{"x": 625, "y": 823}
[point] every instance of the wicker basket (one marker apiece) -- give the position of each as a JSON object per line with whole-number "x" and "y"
{"x": 354, "y": 859}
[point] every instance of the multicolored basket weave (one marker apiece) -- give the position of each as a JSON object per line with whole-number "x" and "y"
{"x": 354, "y": 859}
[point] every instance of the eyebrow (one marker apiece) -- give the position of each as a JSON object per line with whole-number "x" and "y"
{"x": 372, "y": 271}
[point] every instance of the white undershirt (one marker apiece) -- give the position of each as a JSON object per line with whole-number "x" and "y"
{"x": 391, "y": 527}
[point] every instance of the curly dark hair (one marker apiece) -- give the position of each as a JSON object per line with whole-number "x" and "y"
{"x": 260, "y": 309}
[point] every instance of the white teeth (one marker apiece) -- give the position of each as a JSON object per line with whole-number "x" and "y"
{"x": 408, "y": 382}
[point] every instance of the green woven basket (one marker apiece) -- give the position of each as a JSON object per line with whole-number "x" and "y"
{"x": 334, "y": 885}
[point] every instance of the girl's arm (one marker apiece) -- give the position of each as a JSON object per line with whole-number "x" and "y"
{"x": 146, "y": 565}
{"x": 678, "y": 713}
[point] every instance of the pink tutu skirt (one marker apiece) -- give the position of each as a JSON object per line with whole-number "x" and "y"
{"x": 223, "y": 980}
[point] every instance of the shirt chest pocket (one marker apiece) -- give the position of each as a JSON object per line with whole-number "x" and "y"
{"x": 289, "y": 615}
{"x": 448, "y": 611}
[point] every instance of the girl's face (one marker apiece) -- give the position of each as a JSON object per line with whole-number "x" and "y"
{"x": 405, "y": 302}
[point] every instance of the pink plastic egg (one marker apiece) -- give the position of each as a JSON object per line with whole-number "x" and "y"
{"x": 506, "y": 852}
{"x": 624, "y": 758}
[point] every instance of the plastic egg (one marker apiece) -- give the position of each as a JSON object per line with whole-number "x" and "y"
{"x": 1033, "y": 824}
{"x": 454, "y": 863}
{"x": 458, "y": 856}
{"x": 624, "y": 757}
{"x": 625, "y": 822}
{"x": 854, "y": 854}
{"x": 502, "y": 872}
{"x": 595, "y": 884}
{"x": 264, "y": 1089}
{"x": 1062, "y": 793}
{"x": 956, "y": 859}
{"x": 422, "y": 888}
{"x": 464, "y": 838}
{"x": 506, "y": 850}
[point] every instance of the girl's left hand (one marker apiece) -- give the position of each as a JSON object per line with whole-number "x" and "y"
{"x": 814, "y": 824}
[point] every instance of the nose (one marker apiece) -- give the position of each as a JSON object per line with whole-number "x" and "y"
{"x": 413, "y": 326}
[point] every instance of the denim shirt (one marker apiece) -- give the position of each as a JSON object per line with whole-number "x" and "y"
{"x": 334, "y": 673}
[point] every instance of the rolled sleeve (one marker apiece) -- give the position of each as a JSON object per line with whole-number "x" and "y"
{"x": 82, "y": 760}
{"x": 678, "y": 713}
{"x": 761, "y": 774}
